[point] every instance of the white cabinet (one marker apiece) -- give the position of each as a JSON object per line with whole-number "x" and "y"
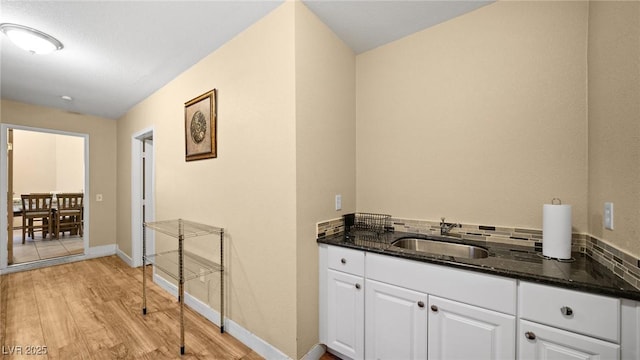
{"x": 342, "y": 301}
{"x": 345, "y": 312}
{"x": 538, "y": 342}
{"x": 559, "y": 323}
{"x": 461, "y": 331}
{"x": 396, "y": 320}
{"x": 374, "y": 306}
{"x": 587, "y": 314}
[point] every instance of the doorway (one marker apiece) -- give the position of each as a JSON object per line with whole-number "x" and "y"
{"x": 49, "y": 162}
{"x": 142, "y": 193}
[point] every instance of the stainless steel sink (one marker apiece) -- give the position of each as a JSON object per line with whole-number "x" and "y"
{"x": 437, "y": 247}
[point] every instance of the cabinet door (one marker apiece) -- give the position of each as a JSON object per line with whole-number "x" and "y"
{"x": 345, "y": 312}
{"x": 537, "y": 341}
{"x": 396, "y": 321}
{"x": 461, "y": 331}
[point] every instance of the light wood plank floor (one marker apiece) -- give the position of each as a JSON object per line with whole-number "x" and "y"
{"x": 92, "y": 310}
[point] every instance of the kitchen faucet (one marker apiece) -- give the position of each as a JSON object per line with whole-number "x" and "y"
{"x": 445, "y": 227}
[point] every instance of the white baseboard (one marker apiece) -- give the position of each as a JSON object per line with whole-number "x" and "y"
{"x": 94, "y": 252}
{"x": 124, "y": 257}
{"x": 246, "y": 337}
{"x": 100, "y": 251}
{"x": 315, "y": 353}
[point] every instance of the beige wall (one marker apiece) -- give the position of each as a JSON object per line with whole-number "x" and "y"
{"x": 69, "y": 163}
{"x": 45, "y": 162}
{"x": 102, "y": 159}
{"x": 250, "y": 188}
{"x": 614, "y": 120}
{"x": 34, "y": 162}
{"x": 481, "y": 119}
{"x": 325, "y": 150}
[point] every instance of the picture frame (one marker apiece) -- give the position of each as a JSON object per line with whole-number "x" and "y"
{"x": 200, "y": 127}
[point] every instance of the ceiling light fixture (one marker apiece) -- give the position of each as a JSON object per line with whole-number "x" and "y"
{"x": 31, "y": 40}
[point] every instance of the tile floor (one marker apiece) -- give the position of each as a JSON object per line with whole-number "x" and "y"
{"x": 40, "y": 249}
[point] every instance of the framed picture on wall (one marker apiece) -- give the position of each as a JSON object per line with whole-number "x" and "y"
{"x": 200, "y": 127}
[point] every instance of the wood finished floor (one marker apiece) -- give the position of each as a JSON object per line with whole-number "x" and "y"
{"x": 92, "y": 310}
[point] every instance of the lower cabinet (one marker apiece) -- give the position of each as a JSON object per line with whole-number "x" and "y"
{"x": 538, "y": 341}
{"x": 396, "y": 321}
{"x": 406, "y": 324}
{"x": 402, "y": 309}
{"x": 345, "y": 313}
{"x": 461, "y": 331}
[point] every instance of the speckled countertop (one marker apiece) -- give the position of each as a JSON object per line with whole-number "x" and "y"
{"x": 522, "y": 263}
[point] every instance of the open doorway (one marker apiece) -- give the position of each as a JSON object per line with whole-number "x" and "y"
{"x": 49, "y": 165}
{"x": 142, "y": 193}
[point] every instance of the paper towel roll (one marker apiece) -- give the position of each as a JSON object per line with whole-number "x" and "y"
{"x": 556, "y": 231}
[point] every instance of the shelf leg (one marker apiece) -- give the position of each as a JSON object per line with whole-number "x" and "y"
{"x": 181, "y": 285}
{"x": 222, "y": 282}
{"x": 144, "y": 271}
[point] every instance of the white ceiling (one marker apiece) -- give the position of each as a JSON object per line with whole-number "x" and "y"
{"x": 117, "y": 53}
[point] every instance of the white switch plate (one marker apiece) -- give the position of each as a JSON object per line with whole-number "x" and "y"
{"x": 608, "y": 215}
{"x": 338, "y": 202}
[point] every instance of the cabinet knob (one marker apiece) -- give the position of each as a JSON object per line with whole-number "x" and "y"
{"x": 343, "y": 260}
{"x": 434, "y": 308}
{"x": 421, "y": 304}
{"x": 566, "y": 311}
{"x": 530, "y": 335}
{"x": 358, "y": 286}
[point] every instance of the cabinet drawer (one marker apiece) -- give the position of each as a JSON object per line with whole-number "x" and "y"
{"x": 483, "y": 290}
{"x": 537, "y": 341}
{"x": 346, "y": 260}
{"x": 589, "y": 314}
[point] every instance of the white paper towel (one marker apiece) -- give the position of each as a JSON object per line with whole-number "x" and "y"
{"x": 556, "y": 231}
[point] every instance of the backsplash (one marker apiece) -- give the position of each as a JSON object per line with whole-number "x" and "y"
{"x": 620, "y": 263}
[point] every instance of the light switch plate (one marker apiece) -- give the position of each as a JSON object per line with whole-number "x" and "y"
{"x": 338, "y": 202}
{"x": 608, "y": 215}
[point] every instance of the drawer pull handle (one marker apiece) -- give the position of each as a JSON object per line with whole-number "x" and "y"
{"x": 343, "y": 260}
{"x": 566, "y": 311}
{"x": 530, "y": 335}
{"x": 434, "y": 308}
{"x": 421, "y": 304}
{"x": 358, "y": 286}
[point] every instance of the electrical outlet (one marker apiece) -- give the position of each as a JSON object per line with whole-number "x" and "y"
{"x": 338, "y": 202}
{"x": 608, "y": 215}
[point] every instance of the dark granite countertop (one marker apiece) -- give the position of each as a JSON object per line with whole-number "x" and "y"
{"x": 522, "y": 263}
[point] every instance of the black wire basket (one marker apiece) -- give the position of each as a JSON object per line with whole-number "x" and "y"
{"x": 376, "y": 223}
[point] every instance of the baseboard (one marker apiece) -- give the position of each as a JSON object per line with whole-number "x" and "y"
{"x": 100, "y": 251}
{"x": 246, "y": 337}
{"x": 124, "y": 257}
{"x": 315, "y": 353}
{"x": 94, "y": 252}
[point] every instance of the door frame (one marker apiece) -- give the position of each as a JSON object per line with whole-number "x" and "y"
{"x": 137, "y": 141}
{"x": 3, "y": 187}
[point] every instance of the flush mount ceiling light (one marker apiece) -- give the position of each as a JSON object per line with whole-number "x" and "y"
{"x": 31, "y": 40}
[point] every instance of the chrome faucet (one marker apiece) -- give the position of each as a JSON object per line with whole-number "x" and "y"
{"x": 445, "y": 227}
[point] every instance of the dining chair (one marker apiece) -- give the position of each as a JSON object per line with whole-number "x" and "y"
{"x": 36, "y": 214}
{"x": 69, "y": 213}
